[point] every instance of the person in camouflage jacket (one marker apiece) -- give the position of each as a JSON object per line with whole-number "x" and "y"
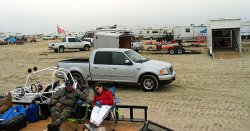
{"x": 64, "y": 101}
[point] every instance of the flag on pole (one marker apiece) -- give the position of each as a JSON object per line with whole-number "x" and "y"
{"x": 60, "y": 30}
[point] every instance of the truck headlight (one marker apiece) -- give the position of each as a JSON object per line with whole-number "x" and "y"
{"x": 164, "y": 71}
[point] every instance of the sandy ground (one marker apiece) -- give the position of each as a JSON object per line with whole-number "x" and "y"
{"x": 207, "y": 94}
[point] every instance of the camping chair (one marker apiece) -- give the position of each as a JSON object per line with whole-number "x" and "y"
{"x": 76, "y": 113}
{"x": 113, "y": 108}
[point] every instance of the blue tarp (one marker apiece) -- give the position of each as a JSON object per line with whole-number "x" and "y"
{"x": 11, "y": 40}
{"x": 13, "y": 112}
{"x": 203, "y": 31}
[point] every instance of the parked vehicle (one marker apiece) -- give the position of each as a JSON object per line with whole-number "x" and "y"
{"x": 48, "y": 38}
{"x": 120, "y": 65}
{"x": 91, "y": 40}
{"x": 188, "y": 33}
{"x": 2, "y": 41}
{"x": 137, "y": 44}
{"x": 41, "y": 89}
{"x": 69, "y": 43}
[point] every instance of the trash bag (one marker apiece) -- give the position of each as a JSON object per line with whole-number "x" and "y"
{"x": 32, "y": 112}
{"x": 13, "y": 112}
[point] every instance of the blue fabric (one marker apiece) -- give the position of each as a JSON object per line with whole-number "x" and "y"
{"x": 203, "y": 31}
{"x": 11, "y": 40}
{"x": 32, "y": 113}
{"x": 98, "y": 103}
{"x": 13, "y": 112}
{"x": 112, "y": 90}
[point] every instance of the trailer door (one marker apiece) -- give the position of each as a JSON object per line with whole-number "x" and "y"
{"x": 125, "y": 41}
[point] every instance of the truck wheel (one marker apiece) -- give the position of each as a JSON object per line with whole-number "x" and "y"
{"x": 86, "y": 48}
{"x": 78, "y": 77}
{"x": 180, "y": 51}
{"x": 149, "y": 83}
{"x": 61, "y": 49}
{"x": 171, "y": 51}
{"x": 56, "y": 50}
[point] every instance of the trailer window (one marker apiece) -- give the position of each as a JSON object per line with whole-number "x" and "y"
{"x": 103, "y": 58}
{"x": 187, "y": 29}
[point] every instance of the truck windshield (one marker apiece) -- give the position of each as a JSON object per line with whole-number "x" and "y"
{"x": 134, "y": 56}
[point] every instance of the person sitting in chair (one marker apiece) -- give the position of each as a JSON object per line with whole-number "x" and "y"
{"x": 103, "y": 101}
{"x": 64, "y": 101}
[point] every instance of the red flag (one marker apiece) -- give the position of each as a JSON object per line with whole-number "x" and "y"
{"x": 60, "y": 30}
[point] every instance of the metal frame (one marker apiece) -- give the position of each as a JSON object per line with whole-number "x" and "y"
{"x": 41, "y": 95}
{"x": 131, "y": 108}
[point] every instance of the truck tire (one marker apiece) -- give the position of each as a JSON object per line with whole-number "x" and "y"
{"x": 78, "y": 77}
{"x": 180, "y": 51}
{"x": 171, "y": 51}
{"x": 56, "y": 50}
{"x": 61, "y": 49}
{"x": 149, "y": 83}
{"x": 86, "y": 48}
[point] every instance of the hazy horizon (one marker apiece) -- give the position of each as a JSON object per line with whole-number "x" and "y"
{"x": 43, "y": 16}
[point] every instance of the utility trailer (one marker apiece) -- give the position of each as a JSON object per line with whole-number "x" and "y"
{"x": 171, "y": 49}
{"x": 112, "y": 40}
{"x": 224, "y": 37}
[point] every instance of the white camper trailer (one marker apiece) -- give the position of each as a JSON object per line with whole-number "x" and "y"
{"x": 112, "y": 40}
{"x": 224, "y": 35}
{"x": 188, "y": 33}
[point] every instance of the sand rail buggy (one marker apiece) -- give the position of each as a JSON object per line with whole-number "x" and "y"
{"x": 38, "y": 90}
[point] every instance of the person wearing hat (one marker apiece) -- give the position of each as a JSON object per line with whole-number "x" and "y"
{"x": 64, "y": 102}
{"x": 103, "y": 101}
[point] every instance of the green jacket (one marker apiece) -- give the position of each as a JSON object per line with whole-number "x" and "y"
{"x": 67, "y": 98}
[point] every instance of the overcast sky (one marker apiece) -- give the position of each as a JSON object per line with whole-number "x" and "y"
{"x": 42, "y": 16}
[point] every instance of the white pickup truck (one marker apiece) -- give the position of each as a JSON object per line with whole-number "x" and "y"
{"x": 69, "y": 43}
{"x": 119, "y": 65}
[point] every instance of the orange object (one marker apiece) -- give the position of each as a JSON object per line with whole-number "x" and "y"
{"x": 166, "y": 46}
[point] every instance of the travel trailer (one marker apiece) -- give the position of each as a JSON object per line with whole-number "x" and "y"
{"x": 188, "y": 33}
{"x": 153, "y": 33}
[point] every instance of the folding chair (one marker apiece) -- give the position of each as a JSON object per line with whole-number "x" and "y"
{"x": 77, "y": 115}
{"x": 113, "y": 108}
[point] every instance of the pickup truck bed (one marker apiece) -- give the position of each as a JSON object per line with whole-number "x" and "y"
{"x": 76, "y": 60}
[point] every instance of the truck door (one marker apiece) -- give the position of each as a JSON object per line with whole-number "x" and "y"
{"x": 74, "y": 43}
{"x": 100, "y": 67}
{"x": 119, "y": 70}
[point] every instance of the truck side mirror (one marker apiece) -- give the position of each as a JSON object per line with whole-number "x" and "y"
{"x": 127, "y": 62}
